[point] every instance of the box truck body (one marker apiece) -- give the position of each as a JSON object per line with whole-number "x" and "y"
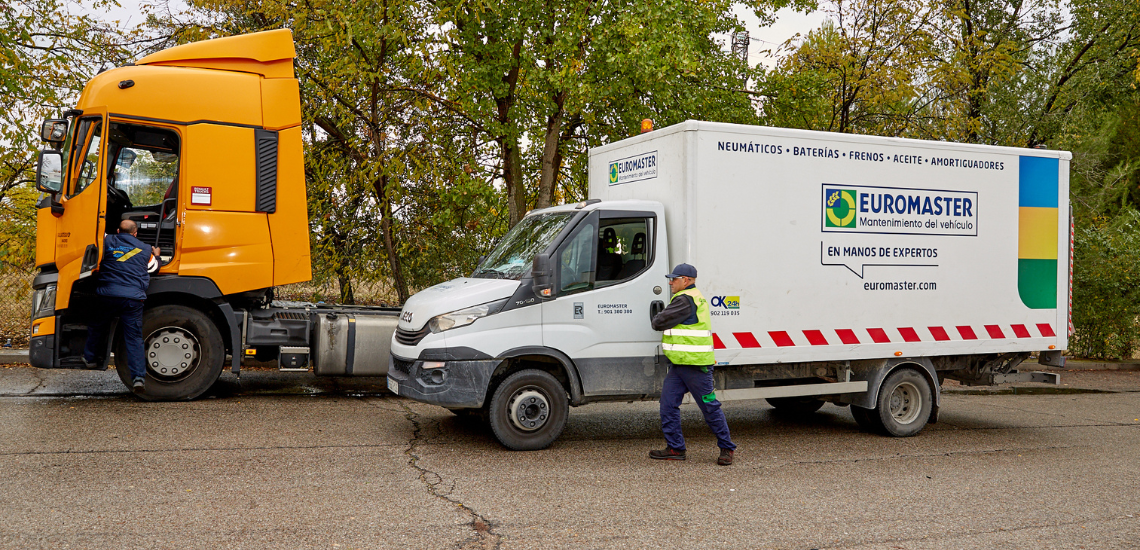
{"x": 817, "y": 246}
{"x": 852, "y": 269}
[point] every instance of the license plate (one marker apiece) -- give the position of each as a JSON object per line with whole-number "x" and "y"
{"x": 393, "y": 386}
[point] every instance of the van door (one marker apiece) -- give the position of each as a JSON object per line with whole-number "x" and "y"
{"x": 79, "y": 238}
{"x": 605, "y": 275}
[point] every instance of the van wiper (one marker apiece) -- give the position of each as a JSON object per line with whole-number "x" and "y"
{"x": 495, "y": 274}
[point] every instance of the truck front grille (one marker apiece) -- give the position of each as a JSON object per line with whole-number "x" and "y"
{"x": 411, "y": 338}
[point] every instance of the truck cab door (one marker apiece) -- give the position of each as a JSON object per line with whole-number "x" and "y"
{"x": 605, "y": 273}
{"x": 79, "y": 235}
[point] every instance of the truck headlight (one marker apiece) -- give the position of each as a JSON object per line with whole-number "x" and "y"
{"x": 464, "y": 317}
{"x": 43, "y": 301}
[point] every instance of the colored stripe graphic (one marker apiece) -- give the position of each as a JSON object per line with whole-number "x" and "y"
{"x": 909, "y": 335}
{"x": 1038, "y": 187}
{"x": 939, "y": 333}
{"x": 878, "y": 335}
{"x": 746, "y": 339}
{"x": 717, "y": 344}
{"x": 847, "y": 336}
{"x": 1020, "y": 331}
{"x": 815, "y": 338}
{"x": 781, "y": 338}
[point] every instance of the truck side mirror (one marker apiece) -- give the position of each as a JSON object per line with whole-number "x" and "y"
{"x": 543, "y": 275}
{"x": 49, "y": 172}
{"x": 53, "y": 130}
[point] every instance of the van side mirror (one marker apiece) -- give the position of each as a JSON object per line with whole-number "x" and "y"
{"x": 49, "y": 172}
{"x": 542, "y": 273}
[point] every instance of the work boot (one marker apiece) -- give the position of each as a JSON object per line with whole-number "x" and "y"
{"x": 725, "y": 457}
{"x": 138, "y": 385}
{"x": 668, "y": 453}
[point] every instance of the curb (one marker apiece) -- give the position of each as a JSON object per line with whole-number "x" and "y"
{"x": 14, "y": 356}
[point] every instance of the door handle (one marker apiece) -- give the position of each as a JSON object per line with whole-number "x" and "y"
{"x": 655, "y": 307}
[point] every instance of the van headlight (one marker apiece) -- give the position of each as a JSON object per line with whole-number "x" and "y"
{"x": 464, "y": 317}
{"x": 43, "y": 301}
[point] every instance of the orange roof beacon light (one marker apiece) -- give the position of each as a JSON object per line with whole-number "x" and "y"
{"x": 646, "y": 125}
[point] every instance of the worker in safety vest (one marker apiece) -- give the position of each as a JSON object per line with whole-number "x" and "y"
{"x": 688, "y": 344}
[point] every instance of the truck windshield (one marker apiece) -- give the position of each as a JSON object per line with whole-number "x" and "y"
{"x": 513, "y": 256}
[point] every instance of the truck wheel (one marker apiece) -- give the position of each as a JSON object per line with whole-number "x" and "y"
{"x": 904, "y": 404}
{"x": 528, "y": 410}
{"x": 797, "y": 405}
{"x": 183, "y": 351}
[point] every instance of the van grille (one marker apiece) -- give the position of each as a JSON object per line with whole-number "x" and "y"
{"x": 402, "y": 366}
{"x": 411, "y": 338}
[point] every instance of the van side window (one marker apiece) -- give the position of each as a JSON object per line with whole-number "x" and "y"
{"x": 624, "y": 249}
{"x": 576, "y": 261}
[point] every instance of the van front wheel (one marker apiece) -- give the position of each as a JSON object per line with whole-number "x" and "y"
{"x": 528, "y": 410}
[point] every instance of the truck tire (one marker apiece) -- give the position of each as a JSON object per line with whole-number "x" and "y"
{"x": 904, "y": 405}
{"x": 528, "y": 410}
{"x": 795, "y": 405}
{"x": 170, "y": 334}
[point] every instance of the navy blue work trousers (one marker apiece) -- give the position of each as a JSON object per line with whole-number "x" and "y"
{"x": 684, "y": 379}
{"x": 129, "y": 311}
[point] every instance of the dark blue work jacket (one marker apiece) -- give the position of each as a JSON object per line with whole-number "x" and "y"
{"x": 122, "y": 273}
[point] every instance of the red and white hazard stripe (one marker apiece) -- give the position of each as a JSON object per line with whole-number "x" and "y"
{"x": 878, "y": 335}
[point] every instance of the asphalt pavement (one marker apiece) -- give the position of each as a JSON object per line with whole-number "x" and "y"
{"x": 295, "y": 461}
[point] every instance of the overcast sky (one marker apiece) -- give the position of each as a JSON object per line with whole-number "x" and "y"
{"x": 788, "y": 23}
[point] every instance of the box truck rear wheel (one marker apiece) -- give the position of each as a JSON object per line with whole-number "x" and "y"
{"x": 183, "y": 352}
{"x": 795, "y": 405}
{"x": 903, "y": 407}
{"x": 528, "y": 410}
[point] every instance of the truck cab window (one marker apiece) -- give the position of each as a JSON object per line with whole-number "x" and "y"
{"x": 623, "y": 249}
{"x": 576, "y": 261}
{"x": 142, "y": 182}
{"x": 85, "y": 171}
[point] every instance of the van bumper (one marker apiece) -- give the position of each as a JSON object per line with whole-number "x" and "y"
{"x": 454, "y": 384}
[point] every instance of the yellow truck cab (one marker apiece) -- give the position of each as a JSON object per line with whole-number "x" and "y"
{"x": 201, "y": 146}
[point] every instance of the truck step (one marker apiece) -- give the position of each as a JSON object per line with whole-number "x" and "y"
{"x": 293, "y": 359}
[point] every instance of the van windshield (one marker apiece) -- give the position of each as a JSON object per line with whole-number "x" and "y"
{"x": 512, "y": 258}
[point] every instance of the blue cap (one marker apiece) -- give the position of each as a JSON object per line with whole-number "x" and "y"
{"x": 683, "y": 270}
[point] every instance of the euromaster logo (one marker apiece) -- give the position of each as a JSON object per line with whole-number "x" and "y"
{"x": 635, "y": 168}
{"x": 839, "y": 207}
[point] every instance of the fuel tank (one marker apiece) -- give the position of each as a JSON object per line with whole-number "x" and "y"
{"x": 353, "y": 343}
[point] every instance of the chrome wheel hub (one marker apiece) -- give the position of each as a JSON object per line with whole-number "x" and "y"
{"x": 171, "y": 352}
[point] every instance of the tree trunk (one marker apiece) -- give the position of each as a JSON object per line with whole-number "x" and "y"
{"x": 509, "y": 141}
{"x": 512, "y": 178}
{"x": 551, "y": 160}
{"x": 388, "y": 232}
